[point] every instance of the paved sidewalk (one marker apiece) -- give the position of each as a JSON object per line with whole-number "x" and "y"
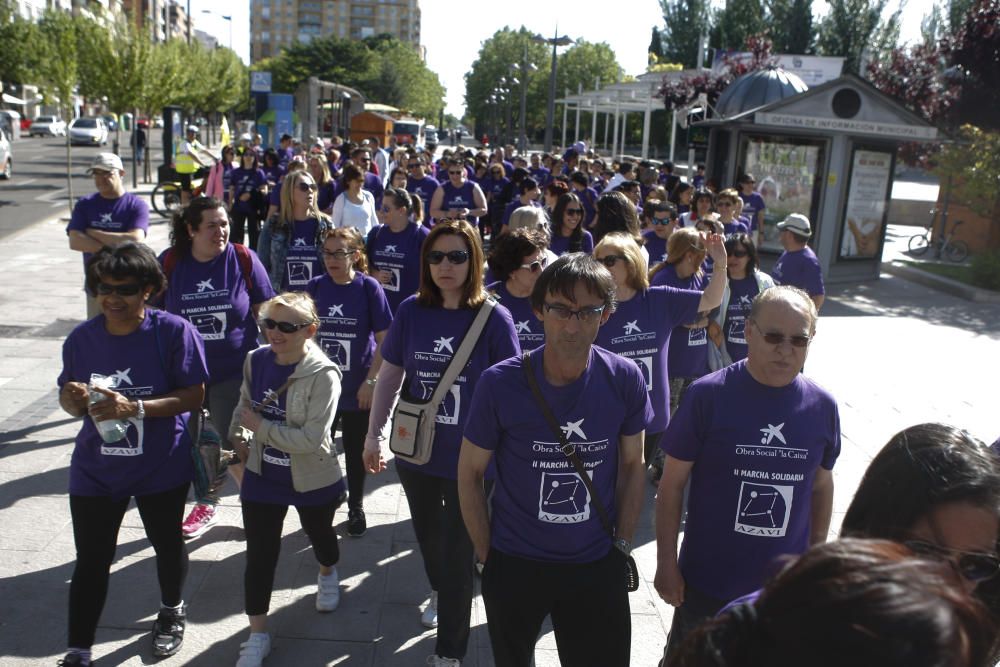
{"x": 893, "y": 353}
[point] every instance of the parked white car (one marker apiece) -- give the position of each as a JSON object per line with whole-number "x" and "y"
{"x": 6, "y": 155}
{"x": 47, "y": 126}
{"x": 88, "y": 131}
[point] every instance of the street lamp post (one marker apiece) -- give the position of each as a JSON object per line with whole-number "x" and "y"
{"x": 228, "y": 19}
{"x": 525, "y": 68}
{"x": 556, "y": 41}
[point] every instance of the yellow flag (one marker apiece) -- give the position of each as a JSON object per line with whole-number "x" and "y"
{"x": 225, "y": 132}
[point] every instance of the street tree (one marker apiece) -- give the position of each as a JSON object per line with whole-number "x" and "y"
{"x": 338, "y": 60}
{"x": 736, "y": 21}
{"x": 401, "y": 79}
{"x": 791, "y": 27}
{"x": 655, "y": 44}
{"x": 852, "y": 27}
{"x": 975, "y": 55}
{"x": 582, "y": 65}
{"x": 17, "y": 36}
{"x": 684, "y": 23}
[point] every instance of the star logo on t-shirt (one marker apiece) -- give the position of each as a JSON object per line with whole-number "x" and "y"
{"x": 632, "y": 327}
{"x": 336, "y": 310}
{"x": 745, "y": 300}
{"x": 574, "y": 427}
{"x": 390, "y": 248}
{"x": 122, "y": 377}
{"x": 205, "y": 285}
{"x": 772, "y": 432}
{"x": 441, "y": 343}
{"x": 106, "y": 218}
{"x": 663, "y": 257}
{"x": 270, "y": 396}
{"x": 522, "y": 327}
{"x": 299, "y": 242}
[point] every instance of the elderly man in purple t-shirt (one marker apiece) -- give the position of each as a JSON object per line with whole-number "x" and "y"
{"x": 545, "y": 548}
{"x": 798, "y": 266}
{"x": 109, "y": 217}
{"x": 757, "y": 441}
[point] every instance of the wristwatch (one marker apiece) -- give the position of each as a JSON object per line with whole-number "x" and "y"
{"x": 371, "y": 381}
{"x": 140, "y": 410}
{"x": 623, "y": 545}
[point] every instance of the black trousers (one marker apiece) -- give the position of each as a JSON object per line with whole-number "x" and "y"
{"x": 697, "y": 608}
{"x": 588, "y": 604}
{"x": 241, "y": 220}
{"x": 96, "y": 521}
{"x": 354, "y": 425}
{"x": 262, "y": 523}
{"x": 447, "y": 552}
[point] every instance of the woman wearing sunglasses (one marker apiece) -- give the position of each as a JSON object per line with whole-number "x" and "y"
{"x": 568, "y": 234}
{"x": 426, "y": 332}
{"x": 516, "y": 260}
{"x": 393, "y": 248}
{"x": 662, "y": 216}
{"x": 319, "y": 169}
{"x": 645, "y": 317}
{"x": 219, "y": 290}
{"x": 745, "y": 282}
{"x": 289, "y": 242}
{"x": 282, "y": 429}
{"x": 458, "y": 198}
{"x": 355, "y": 206}
{"x": 133, "y": 374}
{"x": 354, "y": 317}
{"x": 727, "y": 202}
{"x": 247, "y": 191}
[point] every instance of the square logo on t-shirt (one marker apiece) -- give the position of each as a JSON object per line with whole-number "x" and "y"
{"x": 211, "y": 326}
{"x": 563, "y": 498}
{"x": 763, "y": 509}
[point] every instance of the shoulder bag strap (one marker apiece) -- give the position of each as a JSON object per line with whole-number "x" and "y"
{"x": 458, "y": 361}
{"x": 567, "y": 449}
{"x": 274, "y": 397}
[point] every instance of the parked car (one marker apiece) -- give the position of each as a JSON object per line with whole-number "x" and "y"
{"x": 88, "y": 131}
{"x": 111, "y": 122}
{"x": 6, "y": 155}
{"x": 47, "y": 126}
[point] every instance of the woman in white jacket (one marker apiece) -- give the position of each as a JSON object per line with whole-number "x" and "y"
{"x": 354, "y": 206}
{"x": 733, "y": 316}
{"x": 281, "y": 428}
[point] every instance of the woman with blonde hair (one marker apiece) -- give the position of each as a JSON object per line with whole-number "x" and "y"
{"x": 289, "y": 243}
{"x": 354, "y": 317}
{"x": 319, "y": 168}
{"x": 645, "y": 317}
{"x": 281, "y": 429}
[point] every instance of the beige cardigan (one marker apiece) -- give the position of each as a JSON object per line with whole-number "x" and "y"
{"x": 310, "y": 405}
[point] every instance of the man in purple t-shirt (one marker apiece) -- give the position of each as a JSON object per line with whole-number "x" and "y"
{"x": 798, "y": 266}
{"x": 757, "y": 441}
{"x": 545, "y": 549}
{"x": 109, "y": 217}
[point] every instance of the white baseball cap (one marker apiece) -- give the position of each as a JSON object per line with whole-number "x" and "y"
{"x": 798, "y": 224}
{"x": 106, "y": 162}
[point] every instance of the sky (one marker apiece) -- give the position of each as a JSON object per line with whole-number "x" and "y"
{"x": 453, "y": 31}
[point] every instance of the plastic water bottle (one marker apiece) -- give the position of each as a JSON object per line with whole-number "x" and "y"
{"x": 111, "y": 430}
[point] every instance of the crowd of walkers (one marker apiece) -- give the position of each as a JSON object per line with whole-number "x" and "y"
{"x": 532, "y": 338}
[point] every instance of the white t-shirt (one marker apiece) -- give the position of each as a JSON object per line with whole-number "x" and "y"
{"x": 360, "y": 216}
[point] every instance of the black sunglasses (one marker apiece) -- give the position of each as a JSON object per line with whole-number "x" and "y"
{"x": 412, "y": 166}
{"x": 455, "y": 173}
{"x": 283, "y": 327}
{"x": 610, "y": 260}
{"x": 128, "y": 289}
{"x": 454, "y": 256}
{"x": 739, "y": 253}
{"x": 574, "y": 211}
{"x": 307, "y": 187}
{"x": 772, "y": 338}
{"x": 973, "y": 566}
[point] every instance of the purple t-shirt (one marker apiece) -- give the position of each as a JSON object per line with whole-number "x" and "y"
{"x": 302, "y": 261}
{"x": 425, "y": 188}
{"x": 752, "y": 204}
{"x": 122, "y": 214}
{"x": 800, "y": 268}
{"x": 588, "y": 197}
{"x": 423, "y": 340}
{"x": 741, "y": 294}
{"x": 246, "y": 181}
{"x": 541, "y": 175}
{"x": 529, "y": 328}
{"x": 398, "y": 253}
{"x": 541, "y": 509}
{"x": 513, "y": 206}
{"x": 373, "y": 184}
{"x": 463, "y": 197}
{"x": 165, "y": 353}
{"x": 688, "y": 353}
{"x": 213, "y": 296}
{"x": 755, "y": 450}
{"x": 560, "y": 244}
{"x": 640, "y": 329}
{"x": 274, "y": 483}
{"x": 656, "y": 247}
{"x": 735, "y": 227}
{"x": 494, "y": 186}
{"x": 350, "y": 316}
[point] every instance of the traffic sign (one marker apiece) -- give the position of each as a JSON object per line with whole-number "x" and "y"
{"x": 260, "y": 82}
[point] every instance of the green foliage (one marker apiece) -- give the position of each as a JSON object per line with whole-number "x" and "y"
{"x": 791, "y": 26}
{"x": 57, "y": 66}
{"x": 974, "y": 165}
{"x": 737, "y": 21}
{"x": 655, "y": 45}
{"x": 16, "y": 35}
{"x": 684, "y": 22}
{"x": 583, "y": 63}
{"x": 852, "y": 26}
{"x": 986, "y": 270}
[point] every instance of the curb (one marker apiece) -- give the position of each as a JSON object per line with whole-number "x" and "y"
{"x": 953, "y": 287}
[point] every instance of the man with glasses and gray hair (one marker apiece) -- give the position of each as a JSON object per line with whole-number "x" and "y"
{"x": 757, "y": 442}
{"x": 557, "y": 544}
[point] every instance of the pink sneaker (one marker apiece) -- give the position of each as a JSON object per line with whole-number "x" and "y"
{"x": 199, "y": 519}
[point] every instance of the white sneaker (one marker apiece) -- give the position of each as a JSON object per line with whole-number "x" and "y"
{"x": 254, "y": 650}
{"x": 438, "y": 661}
{"x": 327, "y": 592}
{"x": 429, "y": 617}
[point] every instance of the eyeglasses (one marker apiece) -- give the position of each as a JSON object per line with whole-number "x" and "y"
{"x": 610, "y": 260}
{"x": 455, "y": 173}
{"x": 574, "y": 211}
{"x": 973, "y": 566}
{"x": 454, "y": 256}
{"x": 738, "y": 253}
{"x": 724, "y": 204}
{"x": 128, "y": 289}
{"x": 307, "y": 187}
{"x": 537, "y": 265}
{"x": 412, "y": 166}
{"x": 283, "y": 327}
{"x": 337, "y": 254}
{"x": 772, "y": 338}
{"x": 583, "y": 314}
{"x": 661, "y": 221}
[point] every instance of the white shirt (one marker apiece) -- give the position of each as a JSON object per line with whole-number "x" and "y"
{"x": 360, "y": 216}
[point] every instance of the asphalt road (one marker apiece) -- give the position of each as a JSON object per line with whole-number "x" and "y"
{"x": 38, "y": 190}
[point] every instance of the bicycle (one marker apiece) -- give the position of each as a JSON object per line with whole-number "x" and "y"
{"x": 948, "y": 247}
{"x": 166, "y": 196}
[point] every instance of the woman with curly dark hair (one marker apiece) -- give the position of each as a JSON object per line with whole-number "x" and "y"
{"x": 516, "y": 260}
